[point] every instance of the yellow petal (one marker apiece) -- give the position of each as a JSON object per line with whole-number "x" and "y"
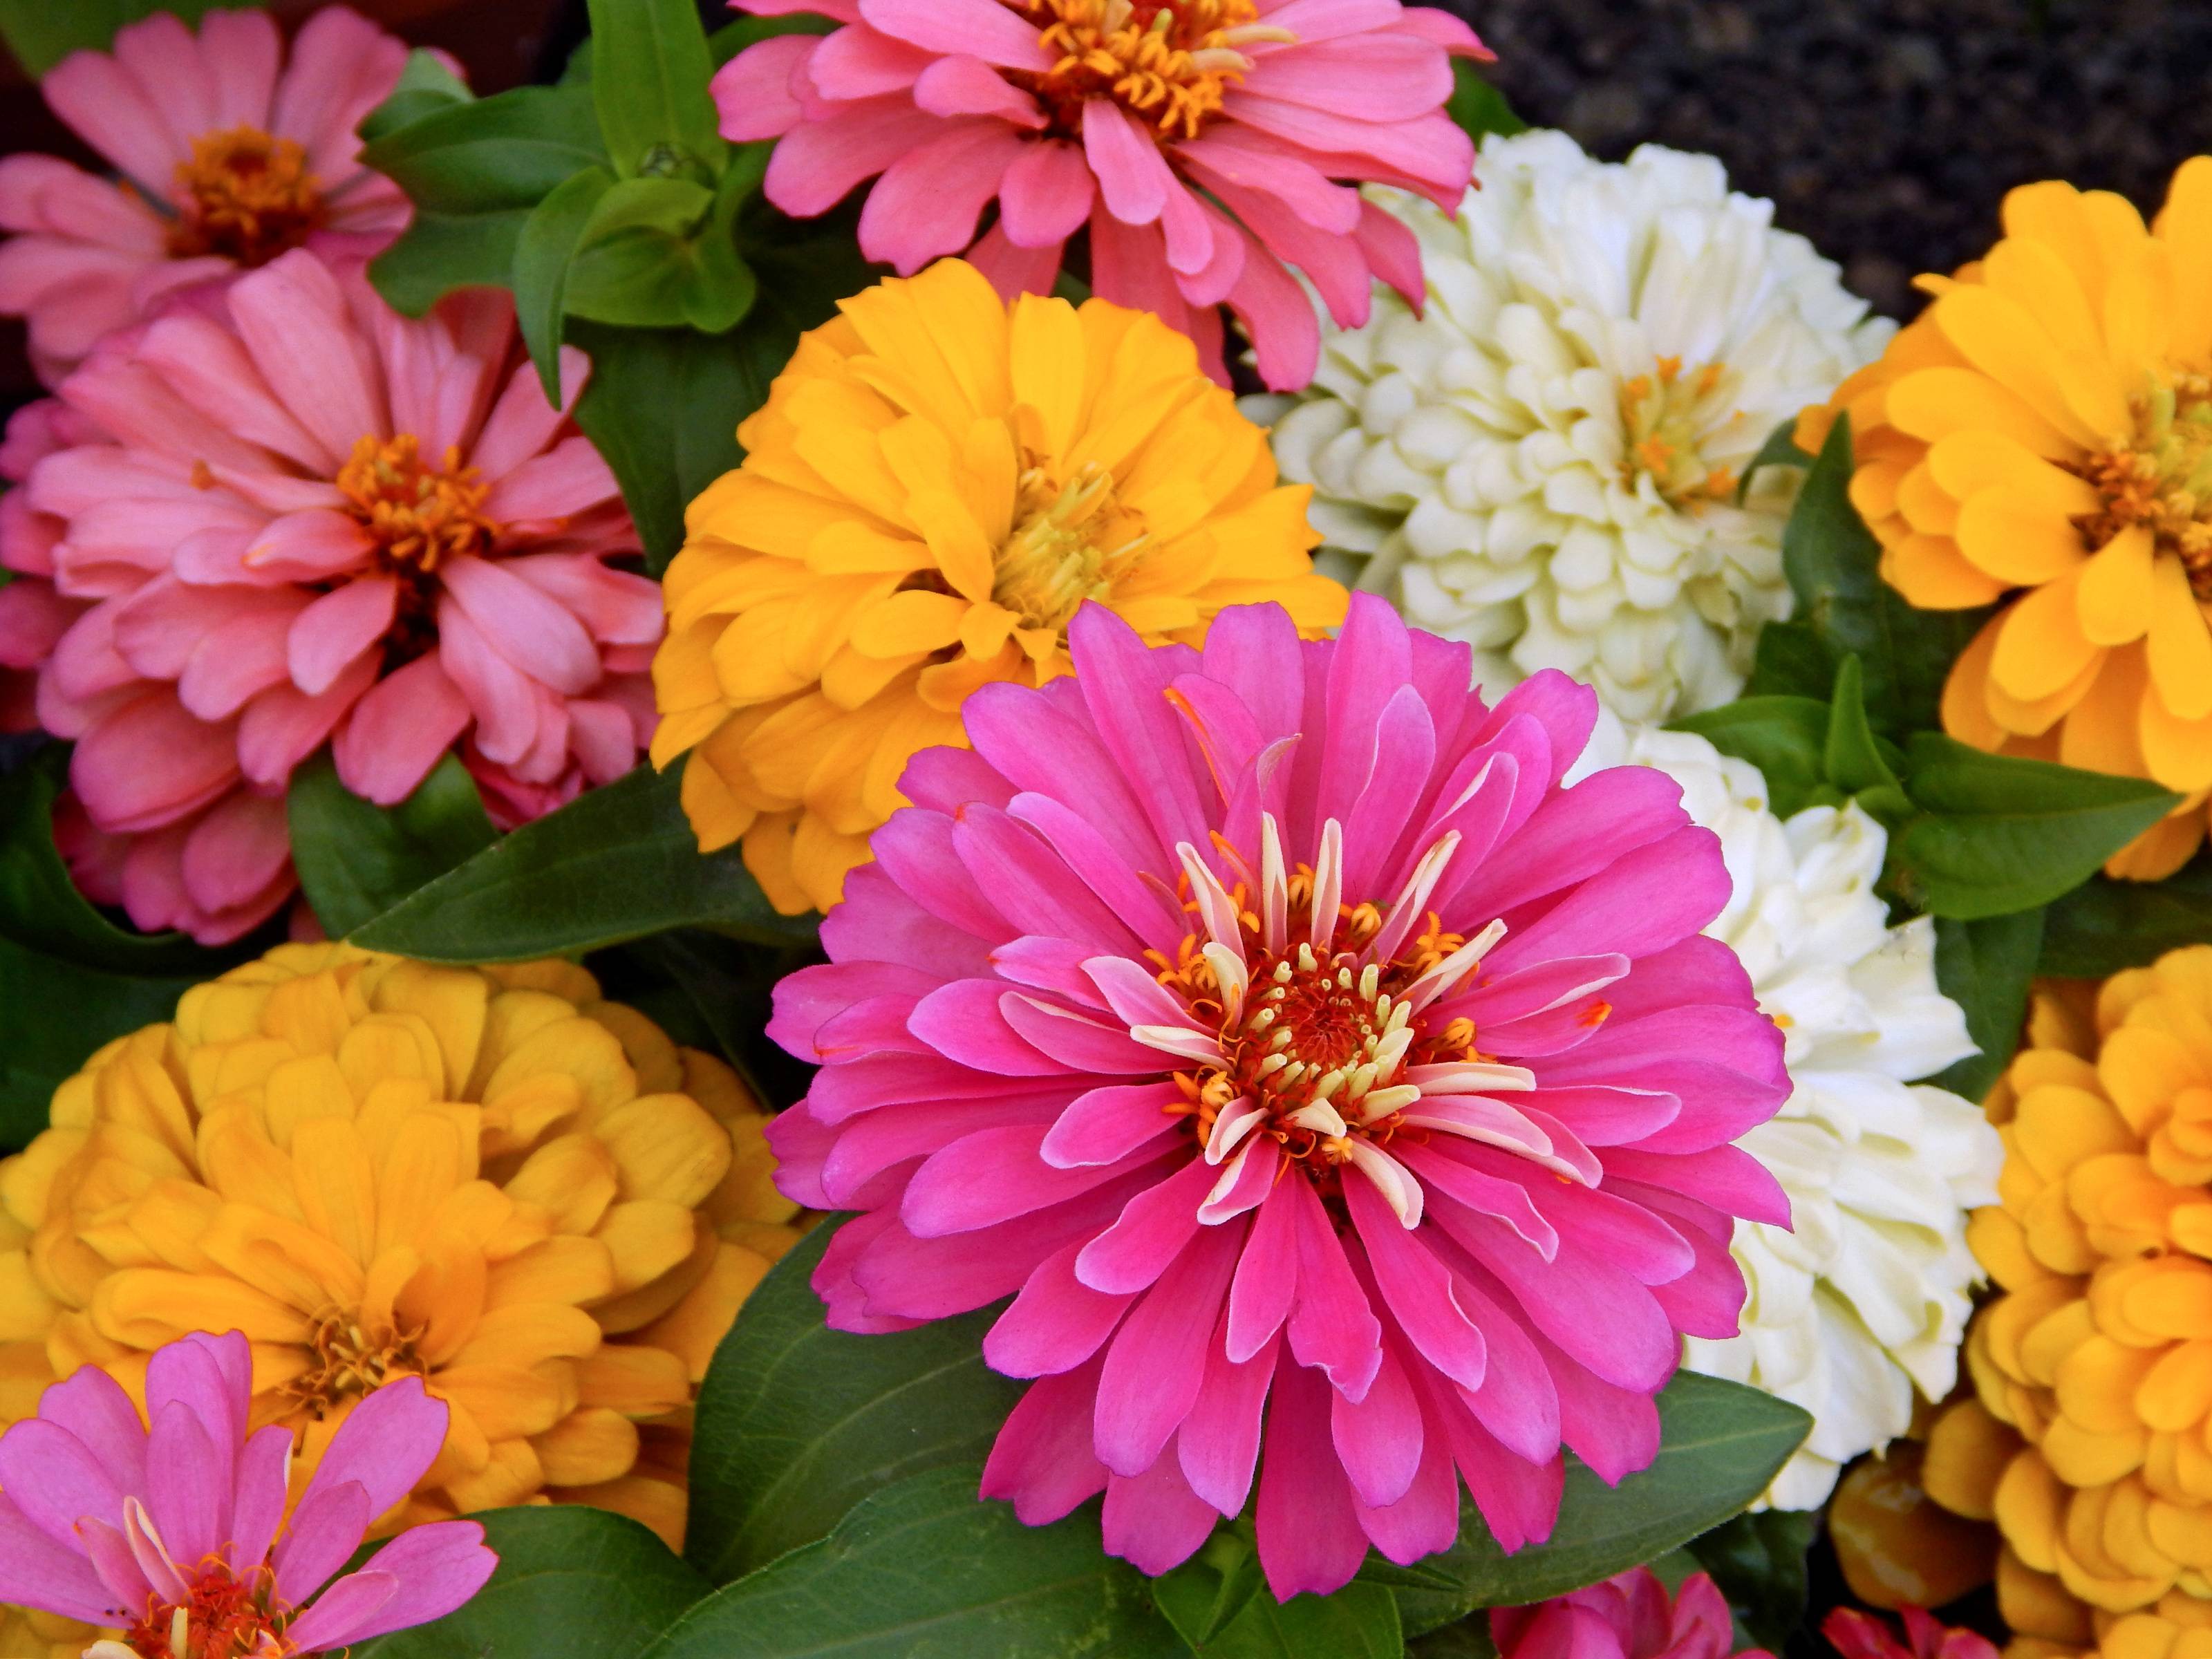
{"x": 2184, "y": 226}
{"x": 2115, "y": 589}
{"x": 1931, "y": 404}
{"x": 909, "y": 622}
{"x": 2021, "y": 543}
{"x": 587, "y": 1447}
{"x": 2177, "y": 752}
{"x": 2180, "y": 644}
{"x": 1965, "y": 462}
{"x": 1047, "y": 364}
{"x": 2041, "y": 647}
{"x": 2000, "y": 337}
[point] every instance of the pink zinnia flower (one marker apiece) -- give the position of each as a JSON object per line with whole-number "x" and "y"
{"x": 175, "y": 1526}
{"x": 1629, "y": 1617}
{"x": 1273, "y": 1027}
{"x": 300, "y": 517}
{"x": 227, "y": 156}
{"x": 33, "y": 616}
{"x": 1857, "y": 1635}
{"x": 1206, "y": 144}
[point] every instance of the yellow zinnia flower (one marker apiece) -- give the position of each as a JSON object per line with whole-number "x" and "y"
{"x": 489, "y": 1177}
{"x": 936, "y": 484}
{"x": 25, "y": 1634}
{"x": 2042, "y": 435}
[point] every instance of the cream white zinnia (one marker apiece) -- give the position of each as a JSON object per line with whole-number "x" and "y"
{"x": 1545, "y": 463}
{"x": 1867, "y": 1297}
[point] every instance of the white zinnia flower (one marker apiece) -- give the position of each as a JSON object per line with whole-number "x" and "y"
{"x": 1544, "y": 464}
{"x": 1868, "y": 1298}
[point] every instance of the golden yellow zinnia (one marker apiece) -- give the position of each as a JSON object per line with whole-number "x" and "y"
{"x": 937, "y": 483}
{"x": 372, "y": 1167}
{"x": 25, "y": 1634}
{"x": 2043, "y": 433}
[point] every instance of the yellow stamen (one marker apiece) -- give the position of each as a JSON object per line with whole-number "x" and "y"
{"x": 246, "y": 197}
{"x": 1165, "y": 62}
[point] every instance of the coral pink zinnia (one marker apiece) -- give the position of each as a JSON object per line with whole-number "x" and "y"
{"x": 1206, "y": 144}
{"x": 1626, "y": 1617}
{"x": 306, "y": 519}
{"x": 174, "y": 1527}
{"x": 226, "y": 154}
{"x": 1315, "y": 1068}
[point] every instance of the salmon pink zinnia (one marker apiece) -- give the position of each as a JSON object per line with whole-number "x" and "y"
{"x": 176, "y": 1527}
{"x": 226, "y": 155}
{"x": 1627, "y": 1617}
{"x": 1206, "y": 144}
{"x": 287, "y": 515}
{"x": 1309, "y": 1066}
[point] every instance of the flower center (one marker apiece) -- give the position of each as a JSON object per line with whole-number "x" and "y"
{"x": 247, "y": 196}
{"x": 420, "y": 516}
{"x": 221, "y": 1618}
{"x": 1071, "y": 542}
{"x": 1663, "y": 417}
{"x": 352, "y": 1359}
{"x": 1165, "y": 61}
{"x": 2159, "y": 477}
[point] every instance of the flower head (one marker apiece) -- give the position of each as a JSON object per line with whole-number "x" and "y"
{"x": 1270, "y": 1023}
{"x": 167, "y": 1517}
{"x": 1857, "y": 1635}
{"x": 1627, "y": 1617}
{"x": 2043, "y": 436}
{"x": 935, "y": 485}
{"x": 1544, "y": 462}
{"x": 286, "y": 517}
{"x": 1206, "y": 144}
{"x": 227, "y": 154}
{"x": 1863, "y": 1301}
{"x": 489, "y": 1179}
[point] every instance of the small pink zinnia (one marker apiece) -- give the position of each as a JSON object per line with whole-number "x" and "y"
{"x": 1629, "y": 1617}
{"x": 1857, "y": 1635}
{"x": 1309, "y": 1066}
{"x": 289, "y": 517}
{"x": 227, "y": 156}
{"x": 1206, "y": 144}
{"x": 174, "y": 1526}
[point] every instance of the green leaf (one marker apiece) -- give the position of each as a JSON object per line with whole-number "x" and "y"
{"x": 617, "y": 863}
{"x": 1853, "y": 756}
{"x": 1834, "y": 564}
{"x": 1984, "y": 966}
{"x": 1720, "y": 1445}
{"x": 1359, "y": 1621}
{"x": 424, "y": 87}
{"x": 1780, "y": 449}
{"x": 1757, "y": 1560}
{"x": 573, "y": 1582}
{"x": 41, "y": 33}
{"x": 662, "y": 253}
{"x": 53, "y": 1015}
{"x": 1785, "y": 738}
{"x": 439, "y": 252}
{"x": 923, "y": 1569}
{"x": 1200, "y": 1597}
{"x": 40, "y": 907}
{"x": 1468, "y": 1639}
{"x": 2104, "y": 925}
{"x": 650, "y": 68}
{"x": 797, "y": 1423}
{"x": 1478, "y": 106}
{"x": 1999, "y": 833}
{"x": 1790, "y": 661}
{"x": 357, "y": 860}
{"x": 549, "y": 241}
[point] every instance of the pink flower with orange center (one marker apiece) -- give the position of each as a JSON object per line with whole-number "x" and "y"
{"x": 1315, "y": 1072}
{"x": 1629, "y": 1616}
{"x": 1205, "y": 146}
{"x": 227, "y": 154}
{"x": 292, "y": 517}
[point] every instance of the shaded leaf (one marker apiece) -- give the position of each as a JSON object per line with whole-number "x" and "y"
{"x": 1790, "y": 661}
{"x": 1857, "y": 760}
{"x": 650, "y": 70}
{"x": 41, "y": 33}
{"x": 425, "y": 86}
{"x": 1757, "y": 1560}
{"x": 1479, "y": 106}
{"x": 357, "y": 860}
{"x": 1984, "y": 966}
{"x": 53, "y": 1015}
{"x": 1780, "y": 449}
{"x": 1359, "y": 1621}
{"x": 2104, "y": 925}
{"x": 543, "y": 252}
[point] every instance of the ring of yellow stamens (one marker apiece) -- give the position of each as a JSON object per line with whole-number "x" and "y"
{"x": 1663, "y": 418}
{"x": 1072, "y": 541}
{"x": 353, "y": 1359}
{"x": 1166, "y": 63}
{"x": 246, "y": 196}
{"x": 2159, "y": 477}
{"x": 420, "y": 516}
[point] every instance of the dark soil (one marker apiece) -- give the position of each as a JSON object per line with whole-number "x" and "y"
{"x": 1886, "y": 130}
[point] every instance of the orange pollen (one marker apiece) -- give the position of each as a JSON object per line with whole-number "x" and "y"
{"x": 420, "y": 516}
{"x": 1165, "y": 61}
{"x": 2158, "y": 477}
{"x": 1663, "y": 420}
{"x": 246, "y": 195}
{"x": 351, "y": 1360}
{"x": 221, "y": 1618}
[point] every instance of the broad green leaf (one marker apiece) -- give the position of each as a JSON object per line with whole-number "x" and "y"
{"x": 1999, "y": 833}
{"x": 720, "y": 286}
{"x": 573, "y": 1582}
{"x": 53, "y": 1014}
{"x": 1359, "y": 1621}
{"x": 617, "y": 863}
{"x": 1834, "y": 564}
{"x": 662, "y": 253}
{"x": 1790, "y": 661}
{"x": 507, "y": 151}
{"x": 41, "y": 33}
{"x": 649, "y": 72}
{"x": 1854, "y": 756}
{"x": 714, "y": 994}
{"x": 1984, "y": 966}
{"x": 1202, "y": 1595}
{"x": 2104, "y": 925}
{"x": 1757, "y": 1560}
{"x": 1468, "y": 1639}
{"x": 549, "y": 241}
{"x": 424, "y": 87}
{"x": 921, "y": 1569}
{"x": 1479, "y": 106}
{"x": 40, "y": 908}
{"x": 440, "y": 253}
{"x": 1720, "y": 1445}
{"x": 1780, "y": 449}
{"x": 357, "y": 860}
{"x": 1785, "y": 738}
{"x": 798, "y": 1423}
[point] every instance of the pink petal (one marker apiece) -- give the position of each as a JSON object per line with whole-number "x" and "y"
{"x": 1055, "y": 1323}
{"x": 1378, "y": 1437}
{"x": 1330, "y": 1325}
{"x": 818, "y": 164}
{"x": 1154, "y": 1521}
{"x": 533, "y": 631}
{"x": 987, "y": 1177}
{"x": 54, "y": 1480}
{"x": 752, "y": 90}
{"x": 1157, "y": 1359}
{"x": 1309, "y": 1539}
{"x": 860, "y": 62}
{"x": 148, "y": 763}
{"x": 1106, "y": 1125}
{"x": 1041, "y": 1461}
{"x": 235, "y": 854}
{"x": 291, "y": 316}
{"x": 983, "y": 29}
{"x": 1218, "y": 1443}
{"x": 928, "y": 202}
{"x": 386, "y": 1443}
{"x": 436, "y": 1568}
{"x": 397, "y": 731}
{"x": 1148, "y": 1235}
{"x": 1046, "y": 195}
{"x": 263, "y": 1494}
{"x": 968, "y": 86}
{"x": 36, "y": 1572}
{"x": 327, "y": 1526}
{"x": 337, "y": 627}
{"x": 311, "y": 546}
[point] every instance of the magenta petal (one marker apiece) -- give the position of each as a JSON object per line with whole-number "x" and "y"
{"x": 36, "y": 1571}
{"x": 1309, "y": 1539}
{"x": 1418, "y": 1289}
{"x": 1154, "y": 1521}
{"x": 1158, "y": 1356}
{"x": 263, "y": 1494}
{"x": 1106, "y": 1125}
{"x": 54, "y": 1480}
{"x": 1218, "y": 1443}
{"x": 1266, "y": 1281}
{"x": 188, "y": 1483}
{"x": 966, "y": 1021}
{"x": 436, "y": 1568}
{"x": 1055, "y": 1323}
{"x": 1041, "y": 1462}
{"x": 1148, "y": 1235}
{"x": 1332, "y": 1326}
{"x": 386, "y": 1443}
{"x": 1378, "y": 1437}
{"x": 91, "y": 1405}
{"x": 325, "y": 1528}
{"x": 987, "y": 1177}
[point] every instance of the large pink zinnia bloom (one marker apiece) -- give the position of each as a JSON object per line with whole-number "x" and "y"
{"x": 33, "y": 616}
{"x": 1142, "y": 121}
{"x": 177, "y": 1526}
{"x": 1628, "y": 1617}
{"x": 293, "y": 517}
{"x": 1309, "y": 1066}
{"x": 227, "y": 155}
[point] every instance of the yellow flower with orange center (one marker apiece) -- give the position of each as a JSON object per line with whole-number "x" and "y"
{"x": 374, "y": 1168}
{"x": 2042, "y": 435}
{"x": 938, "y": 483}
